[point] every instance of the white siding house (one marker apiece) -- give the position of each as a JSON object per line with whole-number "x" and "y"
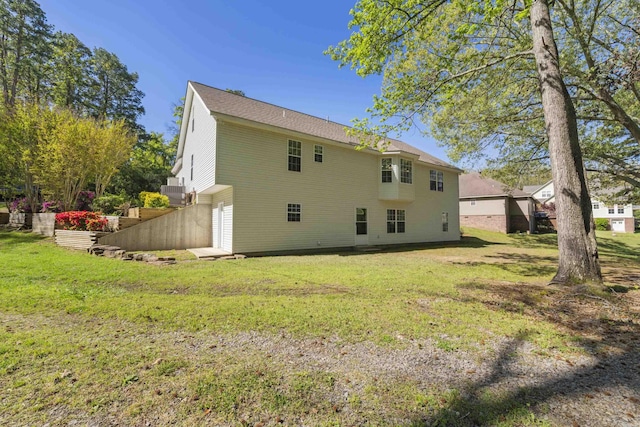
{"x": 280, "y": 180}
{"x": 620, "y": 216}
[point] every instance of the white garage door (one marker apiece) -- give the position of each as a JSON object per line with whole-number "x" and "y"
{"x": 617, "y": 225}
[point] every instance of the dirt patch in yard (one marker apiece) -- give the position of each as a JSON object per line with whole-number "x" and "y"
{"x": 166, "y": 378}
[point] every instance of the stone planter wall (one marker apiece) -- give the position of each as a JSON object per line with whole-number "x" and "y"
{"x": 44, "y": 223}
{"x": 19, "y": 219}
{"x": 82, "y": 240}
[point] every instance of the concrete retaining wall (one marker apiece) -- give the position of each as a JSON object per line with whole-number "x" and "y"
{"x": 185, "y": 228}
{"x": 44, "y": 223}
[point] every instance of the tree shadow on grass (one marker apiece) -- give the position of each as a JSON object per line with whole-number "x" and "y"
{"x": 617, "y": 249}
{"x": 602, "y": 392}
{"x": 464, "y": 242}
{"x": 519, "y": 264}
{"x": 482, "y": 404}
{"x": 11, "y": 238}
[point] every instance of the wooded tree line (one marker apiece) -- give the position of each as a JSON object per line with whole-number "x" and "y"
{"x": 87, "y": 98}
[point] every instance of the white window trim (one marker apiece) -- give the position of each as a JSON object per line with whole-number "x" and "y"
{"x": 293, "y": 212}
{"x": 390, "y": 170}
{"x": 289, "y": 141}
{"x": 316, "y": 153}
{"x": 410, "y": 163}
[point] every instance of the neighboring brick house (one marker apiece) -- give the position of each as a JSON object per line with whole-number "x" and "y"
{"x": 489, "y": 204}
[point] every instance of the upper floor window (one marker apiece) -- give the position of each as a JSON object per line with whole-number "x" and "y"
{"x": 193, "y": 121}
{"x": 318, "y": 153}
{"x": 595, "y": 205}
{"x": 294, "y": 212}
{"x": 436, "y": 180}
{"x": 546, "y": 194}
{"x": 611, "y": 211}
{"x": 192, "y": 167}
{"x": 620, "y": 210}
{"x": 396, "y": 220}
{"x": 406, "y": 171}
{"x": 295, "y": 155}
{"x": 473, "y": 203}
{"x": 386, "y": 169}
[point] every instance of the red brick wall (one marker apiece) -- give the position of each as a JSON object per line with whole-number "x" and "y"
{"x": 518, "y": 223}
{"x": 485, "y": 222}
{"x": 629, "y": 225}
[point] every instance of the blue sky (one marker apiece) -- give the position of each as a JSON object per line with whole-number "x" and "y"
{"x": 270, "y": 50}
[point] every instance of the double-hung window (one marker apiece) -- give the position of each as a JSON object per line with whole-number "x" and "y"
{"x": 611, "y": 211}
{"x": 295, "y": 155}
{"x": 386, "y": 169}
{"x": 396, "y": 220}
{"x": 294, "y": 212}
{"x": 595, "y": 205}
{"x": 436, "y": 180}
{"x": 318, "y": 153}
{"x": 406, "y": 171}
{"x": 620, "y": 210}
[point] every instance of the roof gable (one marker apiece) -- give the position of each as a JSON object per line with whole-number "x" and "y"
{"x": 476, "y": 185}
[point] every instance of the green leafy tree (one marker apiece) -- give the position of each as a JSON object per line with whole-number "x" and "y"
{"x": 18, "y": 143}
{"x": 111, "y": 146}
{"x": 71, "y": 66}
{"x": 437, "y": 54}
{"x": 147, "y": 168}
{"x": 24, "y": 50}
{"x": 113, "y": 93}
{"x": 236, "y": 92}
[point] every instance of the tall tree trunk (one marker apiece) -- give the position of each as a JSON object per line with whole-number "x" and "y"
{"x": 577, "y": 246}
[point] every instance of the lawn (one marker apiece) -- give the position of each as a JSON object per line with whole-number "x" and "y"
{"x": 295, "y": 340}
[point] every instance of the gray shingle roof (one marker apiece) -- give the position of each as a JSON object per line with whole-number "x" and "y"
{"x": 223, "y": 102}
{"x": 476, "y": 185}
{"x": 530, "y": 189}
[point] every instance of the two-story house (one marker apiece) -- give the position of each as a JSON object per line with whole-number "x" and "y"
{"x": 274, "y": 179}
{"x": 620, "y": 216}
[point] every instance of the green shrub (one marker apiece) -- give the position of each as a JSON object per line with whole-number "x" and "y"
{"x": 156, "y": 200}
{"x": 602, "y": 223}
{"x": 143, "y": 196}
{"x": 110, "y": 204}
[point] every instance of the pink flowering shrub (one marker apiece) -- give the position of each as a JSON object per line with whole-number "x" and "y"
{"x": 53, "y": 206}
{"x": 81, "y": 221}
{"x": 22, "y": 205}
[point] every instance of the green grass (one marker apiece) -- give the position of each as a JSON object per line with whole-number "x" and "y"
{"x": 84, "y": 337}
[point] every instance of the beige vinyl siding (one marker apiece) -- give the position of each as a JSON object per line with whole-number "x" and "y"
{"x": 201, "y": 143}
{"x": 225, "y": 196}
{"x": 483, "y": 206}
{"x": 520, "y": 207}
{"x": 254, "y": 162}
